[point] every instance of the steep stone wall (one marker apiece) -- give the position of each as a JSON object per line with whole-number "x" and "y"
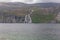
{"x": 9, "y": 18}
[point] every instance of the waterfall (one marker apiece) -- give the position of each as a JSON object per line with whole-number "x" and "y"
{"x": 28, "y": 19}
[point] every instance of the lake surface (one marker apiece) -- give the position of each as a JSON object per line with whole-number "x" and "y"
{"x": 29, "y": 31}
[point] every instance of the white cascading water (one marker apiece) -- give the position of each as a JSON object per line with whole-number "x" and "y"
{"x": 28, "y": 17}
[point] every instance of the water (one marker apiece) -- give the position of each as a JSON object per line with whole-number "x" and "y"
{"x": 28, "y": 19}
{"x": 29, "y": 31}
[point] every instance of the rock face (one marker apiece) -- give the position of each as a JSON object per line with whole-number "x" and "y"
{"x": 8, "y": 18}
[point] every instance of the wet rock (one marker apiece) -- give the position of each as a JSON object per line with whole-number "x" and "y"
{"x": 9, "y": 18}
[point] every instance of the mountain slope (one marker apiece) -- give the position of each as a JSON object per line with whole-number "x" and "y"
{"x": 19, "y": 4}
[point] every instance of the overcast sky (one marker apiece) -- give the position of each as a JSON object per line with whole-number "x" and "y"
{"x": 31, "y": 1}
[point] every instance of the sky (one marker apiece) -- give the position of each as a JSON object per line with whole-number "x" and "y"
{"x": 31, "y": 1}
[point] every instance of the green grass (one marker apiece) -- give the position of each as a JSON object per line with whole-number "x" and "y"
{"x": 38, "y": 18}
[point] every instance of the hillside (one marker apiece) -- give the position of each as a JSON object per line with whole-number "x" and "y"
{"x": 15, "y": 12}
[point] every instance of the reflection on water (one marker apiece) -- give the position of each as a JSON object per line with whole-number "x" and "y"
{"x": 29, "y": 31}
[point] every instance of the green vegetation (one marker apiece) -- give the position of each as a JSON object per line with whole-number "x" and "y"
{"x": 41, "y": 17}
